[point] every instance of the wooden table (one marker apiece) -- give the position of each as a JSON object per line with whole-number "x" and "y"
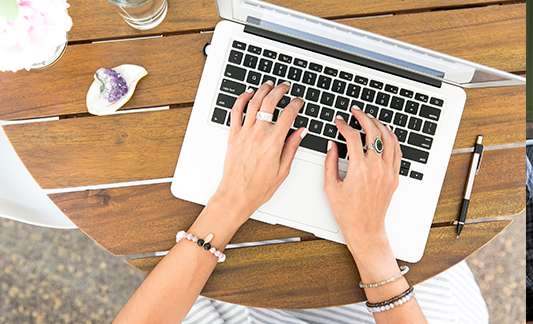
{"x": 84, "y": 150}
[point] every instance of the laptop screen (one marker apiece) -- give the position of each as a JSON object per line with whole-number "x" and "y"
{"x": 366, "y": 45}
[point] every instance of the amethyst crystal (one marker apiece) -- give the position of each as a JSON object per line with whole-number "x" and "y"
{"x": 112, "y": 84}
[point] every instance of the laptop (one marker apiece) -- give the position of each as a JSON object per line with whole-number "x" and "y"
{"x": 417, "y": 91}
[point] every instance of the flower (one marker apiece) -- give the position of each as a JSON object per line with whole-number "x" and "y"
{"x": 40, "y": 27}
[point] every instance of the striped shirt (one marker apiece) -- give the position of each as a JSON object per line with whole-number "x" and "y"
{"x": 450, "y": 297}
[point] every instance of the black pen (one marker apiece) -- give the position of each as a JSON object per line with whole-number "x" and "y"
{"x": 474, "y": 169}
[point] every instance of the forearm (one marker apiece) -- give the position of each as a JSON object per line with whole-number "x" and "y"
{"x": 170, "y": 290}
{"x": 375, "y": 262}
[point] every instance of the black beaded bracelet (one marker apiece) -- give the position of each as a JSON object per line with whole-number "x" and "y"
{"x": 391, "y": 300}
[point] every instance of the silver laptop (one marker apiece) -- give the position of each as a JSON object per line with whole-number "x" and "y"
{"x": 418, "y": 92}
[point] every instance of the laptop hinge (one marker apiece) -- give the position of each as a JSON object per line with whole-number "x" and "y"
{"x": 352, "y": 58}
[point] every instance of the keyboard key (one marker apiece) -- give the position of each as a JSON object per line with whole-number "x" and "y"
{"x": 368, "y": 95}
{"x": 421, "y": 97}
{"x": 344, "y": 115}
{"x": 281, "y": 80}
{"x": 405, "y": 164}
{"x": 361, "y": 80}
{"x": 342, "y": 149}
{"x": 430, "y": 112}
{"x": 223, "y": 100}
{"x": 385, "y": 115}
{"x": 397, "y": 103}
{"x": 406, "y": 93}
{"x": 420, "y": 140}
{"x": 232, "y": 87}
{"x": 358, "y": 103}
{"x": 354, "y": 123}
{"x": 315, "y": 67}
{"x": 391, "y": 88}
{"x": 239, "y": 45}
{"x": 404, "y": 172}
{"x": 268, "y": 78}
{"x": 330, "y": 130}
{"x": 331, "y": 71}
{"x": 235, "y": 72}
{"x": 324, "y": 82}
{"x": 413, "y": 154}
{"x": 285, "y": 58}
{"x": 312, "y": 110}
{"x": 301, "y": 121}
{"x": 254, "y": 49}
{"x": 415, "y": 123}
{"x": 315, "y": 126}
{"x": 284, "y": 102}
{"x": 353, "y": 90}
{"x": 295, "y": 74}
{"x": 309, "y": 78}
{"x": 412, "y": 107}
{"x": 270, "y": 54}
{"x": 219, "y": 116}
{"x": 228, "y": 122}
{"x": 327, "y": 98}
{"x": 253, "y": 77}
{"x": 372, "y": 110}
{"x": 235, "y": 57}
{"x": 300, "y": 62}
{"x": 382, "y": 99}
{"x": 338, "y": 86}
{"x": 265, "y": 65}
{"x": 400, "y": 119}
{"x": 346, "y": 76}
{"x": 297, "y": 90}
{"x": 416, "y": 175}
{"x": 327, "y": 114}
{"x": 250, "y": 61}
{"x": 312, "y": 94}
{"x": 314, "y": 143}
{"x": 429, "y": 127}
{"x": 401, "y": 134}
{"x": 342, "y": 103}
{"x": 436, "y": 101}
{"x": 280, "y": 69}
{"x": 376, "y": 84}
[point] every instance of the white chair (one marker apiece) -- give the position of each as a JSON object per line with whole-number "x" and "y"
{"x": 21, "y": 197}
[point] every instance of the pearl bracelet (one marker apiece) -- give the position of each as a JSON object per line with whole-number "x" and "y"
{"x": 391, "y": 303}
{"x": 204, "y": 243}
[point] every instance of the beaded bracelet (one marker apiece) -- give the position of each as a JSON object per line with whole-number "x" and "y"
{"x": 391, "y": 303}
{"x": 403, "y": 270}
{"x": 204, "y": 243}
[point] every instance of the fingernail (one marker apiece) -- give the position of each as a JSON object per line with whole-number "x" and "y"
{"x": 303, "y": 133}
{"x": 330, "y": 145}
{"x": 287, "y": 83}
{"x": 249, "y": 90}
{"x": 270, "y": 82}
{"x": 356, "y": 108}
{"x": 388, "y": 126}
{"x": 370, "y": 116}
{"x": 339, "y": 117}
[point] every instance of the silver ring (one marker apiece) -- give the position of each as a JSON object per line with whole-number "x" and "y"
{"x": 376, "y": 146}
{"x": 264, "y": 116}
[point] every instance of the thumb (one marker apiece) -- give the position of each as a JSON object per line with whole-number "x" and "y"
{"x": 331, "y": 173}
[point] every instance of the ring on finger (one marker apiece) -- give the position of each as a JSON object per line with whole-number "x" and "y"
{"x": 264, "y": 116}
{"x": 376, "y": 146}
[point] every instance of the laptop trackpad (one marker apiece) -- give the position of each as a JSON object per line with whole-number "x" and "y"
{"x": 301, "y": 198}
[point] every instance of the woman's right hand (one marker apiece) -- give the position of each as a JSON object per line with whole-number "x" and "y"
{"x": 360, "y": 200}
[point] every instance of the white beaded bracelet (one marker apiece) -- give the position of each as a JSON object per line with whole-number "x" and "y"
{"x": 204, "y": 243}
{"x": 390, "y": 305}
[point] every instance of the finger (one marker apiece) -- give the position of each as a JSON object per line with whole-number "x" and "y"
{"x": 353, "y": 138}
{"x": 238, "y": 110}
{"x": 388, "y": 141}
{"x": 272, "y": 99}
{"x": 289, "y": 151}
{"x": 287, "y": 117}
{"x": 369, "y": 128}
{"x": 331, "y": 172}
{"x": 256, "y": 101}
{"x": 397, "y": 155}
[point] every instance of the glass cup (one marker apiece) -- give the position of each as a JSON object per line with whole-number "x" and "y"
{"x": 142, "y": 14}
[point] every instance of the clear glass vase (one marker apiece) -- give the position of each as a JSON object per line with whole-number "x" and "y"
{"x": 53, "y": 58}
{"x": 142, "y": 14}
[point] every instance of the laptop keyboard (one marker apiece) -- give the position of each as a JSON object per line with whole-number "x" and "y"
{"x": 329, "y": 92}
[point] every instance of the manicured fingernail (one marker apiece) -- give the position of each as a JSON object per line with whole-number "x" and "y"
{"x": 370, "y": 116}
{"x": 388, "y": 126}
{"x": 287, "y": 83}
{"x": 330, "y": 145}
{"x": 270, "y": 82}
{"x": 250, "y": 90}
{"x": 303, "y": 133}
{"x": 356, "y": 108}
{"x": 339, "y": 117}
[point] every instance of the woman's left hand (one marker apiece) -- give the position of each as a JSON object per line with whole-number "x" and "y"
{"x": 259, "y": 154}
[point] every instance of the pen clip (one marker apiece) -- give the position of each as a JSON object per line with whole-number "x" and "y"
{"x": 480, "y": 159}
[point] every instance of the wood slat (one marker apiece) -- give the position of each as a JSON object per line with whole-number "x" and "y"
{"x": 107, "y": 216}
{"x": 88, "y": 151}
{"x": 93, "y": 18}
{"x": 299, "y": 275}
{"x": 493, "y": 35}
